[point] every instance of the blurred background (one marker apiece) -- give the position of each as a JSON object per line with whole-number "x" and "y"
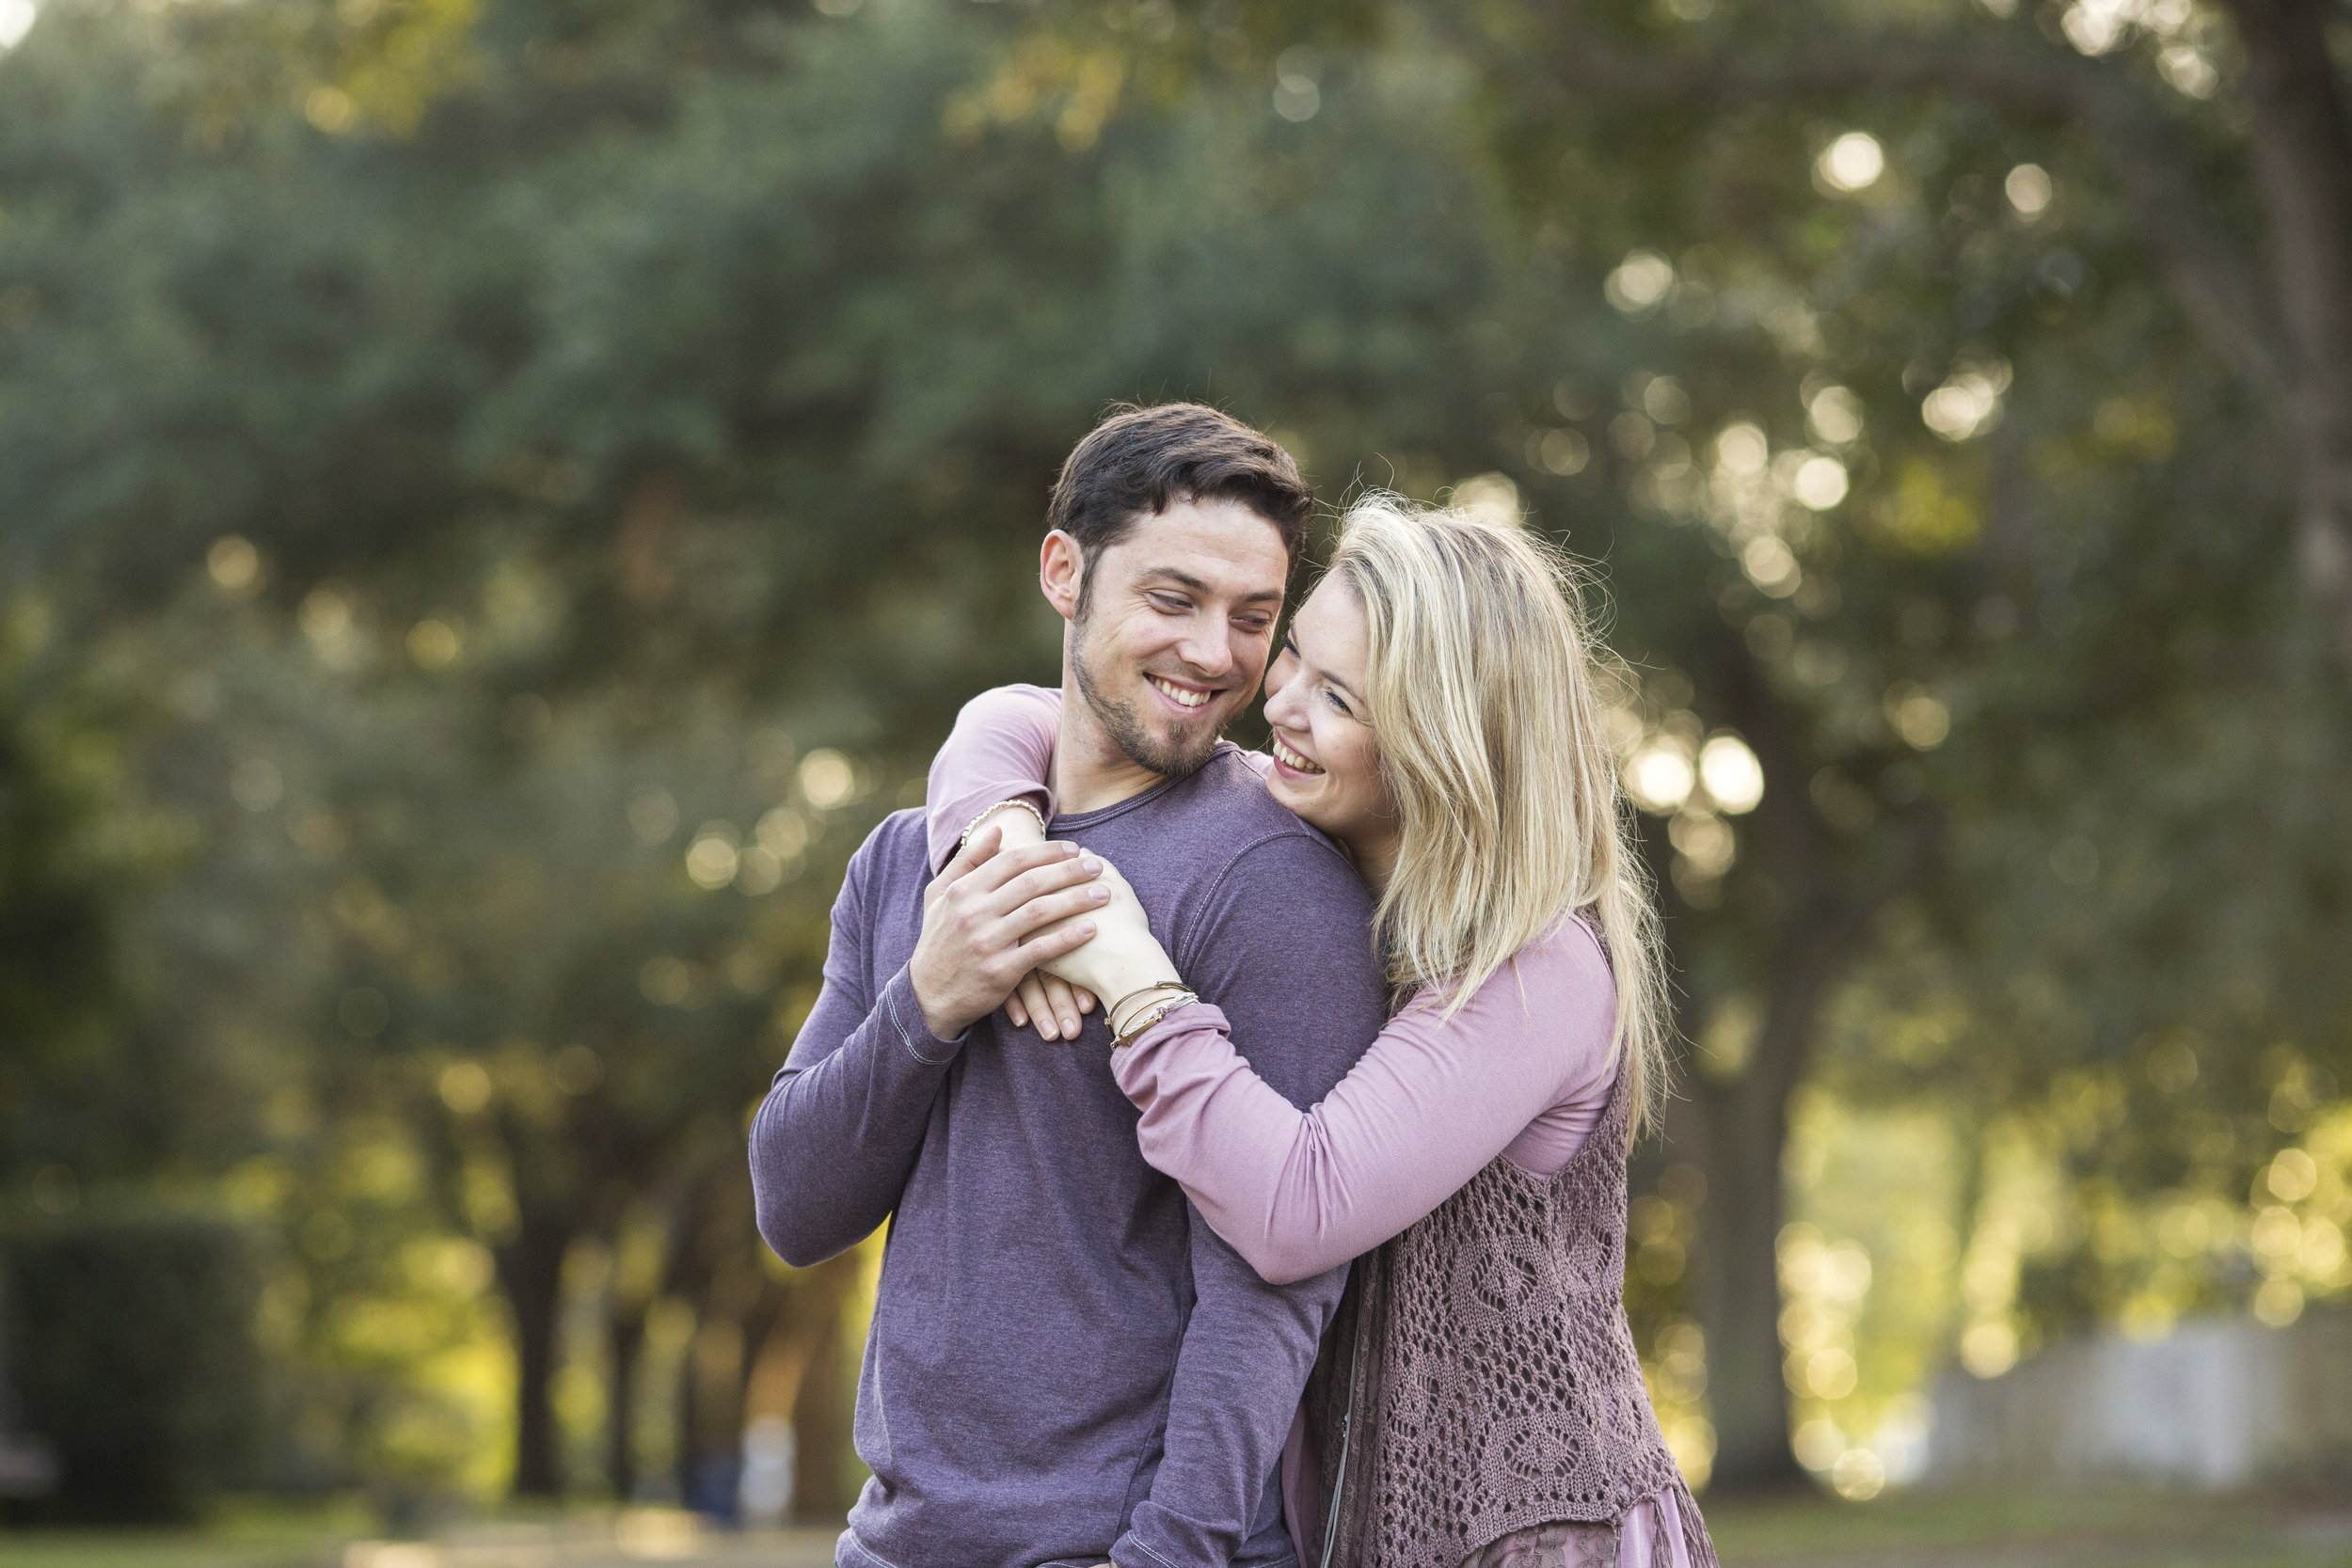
{"x": 497, "y": 497}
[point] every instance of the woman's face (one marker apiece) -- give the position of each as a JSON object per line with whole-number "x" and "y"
{"x": 1327, "y": 766}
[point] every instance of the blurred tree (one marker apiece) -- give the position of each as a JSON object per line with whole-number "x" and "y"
{"x": 599, "y": 388}
{"x": 2167, "y": 154}
{"x": 2239, "y": 201}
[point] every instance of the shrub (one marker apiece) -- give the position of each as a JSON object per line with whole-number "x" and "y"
{"x": 133, "y": 1353}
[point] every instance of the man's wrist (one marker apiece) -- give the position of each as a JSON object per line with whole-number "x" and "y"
{"x": 945, "y": 1033}
{"x": 944, "y": 1026}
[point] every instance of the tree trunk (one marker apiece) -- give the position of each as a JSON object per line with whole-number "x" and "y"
{"x": 1745, "y": 1120}
{"x": 2303, "y": 166}
{"x": 1739, "y": 1285}
{"x": 823, "y": 1411}
{"x": 1825, "y": 896}
{"x": 531, "y": 1273}
{"x": 627, "y": 1340}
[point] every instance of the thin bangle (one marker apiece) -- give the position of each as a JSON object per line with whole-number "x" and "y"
{"x": 1111, "y": 1014}
{"x": 1149, "y": 1018}
{"x": 974, "y": 826}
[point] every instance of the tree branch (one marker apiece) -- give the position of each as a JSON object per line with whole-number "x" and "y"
{"x": 2212, "y": 274}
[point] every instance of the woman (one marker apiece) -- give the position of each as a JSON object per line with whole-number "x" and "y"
{"x": 1478, "y": 1399}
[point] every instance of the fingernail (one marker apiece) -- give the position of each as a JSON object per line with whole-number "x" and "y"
{"x": 1086, "y": 927}
{"x": 1089, "y": 864}
{"x": 1070, "y": 1027}
{"x": 1098, "y": 894}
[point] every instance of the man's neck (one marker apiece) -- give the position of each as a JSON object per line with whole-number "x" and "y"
{"x": 1091, "y": 772}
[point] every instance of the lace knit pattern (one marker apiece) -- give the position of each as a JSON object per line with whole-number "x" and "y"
{"x": 1550, "y": 1546}
{"x": 1510, "y": 1392}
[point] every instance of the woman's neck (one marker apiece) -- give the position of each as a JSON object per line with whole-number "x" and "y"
{"x": 1374, "y": 856}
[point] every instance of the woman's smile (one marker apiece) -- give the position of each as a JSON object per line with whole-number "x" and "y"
{"x": 1291, "y": 760}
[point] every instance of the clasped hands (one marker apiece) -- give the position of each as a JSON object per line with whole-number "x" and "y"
{"x": 1039, "y": 929}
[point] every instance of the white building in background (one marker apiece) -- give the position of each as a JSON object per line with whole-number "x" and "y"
{"x": 2218, "y": 1403}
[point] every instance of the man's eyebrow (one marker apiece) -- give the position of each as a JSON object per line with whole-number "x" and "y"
{"x": 1186, "y": 581}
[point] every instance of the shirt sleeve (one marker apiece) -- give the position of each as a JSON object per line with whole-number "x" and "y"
{"x": 1431, "y": 1103}
{"x": 1001, "y": 749}
{"x": 1283, "y": 941}
{"x": 834, "y": 1143}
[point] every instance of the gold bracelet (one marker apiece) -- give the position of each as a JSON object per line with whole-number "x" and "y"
{"x": 1150, "y": 1016}
{"x": 974, "y": 826}
{"x": 1111, "y": 1014}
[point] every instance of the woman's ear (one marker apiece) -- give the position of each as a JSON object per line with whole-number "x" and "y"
{"x": 1061, "y": 574}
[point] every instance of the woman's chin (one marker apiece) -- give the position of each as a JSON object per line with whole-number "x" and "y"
{"x": 1302, "y": 800}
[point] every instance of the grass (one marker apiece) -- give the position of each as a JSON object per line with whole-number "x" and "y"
{"x": 2041, "y": 1529}
{"x": 1943, "y": 1529}
{"x": 241, "y": 1534}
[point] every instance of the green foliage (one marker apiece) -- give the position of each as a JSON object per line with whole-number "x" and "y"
{"x": 473, "y": 461}
{"x": 140, "y": 1364}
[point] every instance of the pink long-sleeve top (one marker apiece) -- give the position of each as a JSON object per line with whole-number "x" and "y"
{"x": 1522, "y": 1070}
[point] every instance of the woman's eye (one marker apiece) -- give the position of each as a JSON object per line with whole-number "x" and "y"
{"x": 1333, "y": 698}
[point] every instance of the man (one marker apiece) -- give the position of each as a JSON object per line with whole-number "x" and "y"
{"x": 1066, "y": 1365}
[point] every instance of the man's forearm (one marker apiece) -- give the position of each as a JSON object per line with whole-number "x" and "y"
{"x": 1245, "y": 1359}
{"x": 834, "y": 1142}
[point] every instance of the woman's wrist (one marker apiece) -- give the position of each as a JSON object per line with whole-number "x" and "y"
{"x": 1128, "y": 1007}
{"x": 1142, "y": 1012}
{"x": 1017, "y": 822}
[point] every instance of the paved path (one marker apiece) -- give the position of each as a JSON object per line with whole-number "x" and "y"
{"x": 634, "y": 1539}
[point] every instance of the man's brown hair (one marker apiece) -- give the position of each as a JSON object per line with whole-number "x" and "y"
{"x": 1139, "y": 461}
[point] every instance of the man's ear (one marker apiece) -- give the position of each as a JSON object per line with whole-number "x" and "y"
{"x": 1061, "y": 574}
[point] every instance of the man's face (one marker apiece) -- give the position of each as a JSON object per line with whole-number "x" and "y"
{"x": 1176, "y": 625}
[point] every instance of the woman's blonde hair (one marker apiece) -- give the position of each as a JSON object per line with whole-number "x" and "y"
{"x": 1484, "y": 697}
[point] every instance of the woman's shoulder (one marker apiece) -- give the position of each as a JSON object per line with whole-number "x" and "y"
{"x": 1556, "y": 999}
{"x": 1569, "y": 951}
{"x": 1561, "y": 973}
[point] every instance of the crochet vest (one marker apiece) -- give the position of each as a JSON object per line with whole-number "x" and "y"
{"x": 1480, "y": 1377}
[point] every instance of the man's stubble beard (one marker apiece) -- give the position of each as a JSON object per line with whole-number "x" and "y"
{"x": 1125, "y": 726}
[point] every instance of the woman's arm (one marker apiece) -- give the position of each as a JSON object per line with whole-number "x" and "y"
{"x": 1429, "y": 1106}
{"x": 1001, "y": 750}
{"x": 1001, "y": 756}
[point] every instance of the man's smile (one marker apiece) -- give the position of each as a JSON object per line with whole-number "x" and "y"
{"x": 1186, "y": 698}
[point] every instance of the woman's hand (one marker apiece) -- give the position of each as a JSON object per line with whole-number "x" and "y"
{"x": 988, "y": 919}
{"x": 1048, "y": 1001}
{"x": 1124, "y": 956}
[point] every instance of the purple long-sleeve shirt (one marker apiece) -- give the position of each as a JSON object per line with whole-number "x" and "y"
{"x": 1522, "y": 1070}
{"x": 1066, "y": 1365}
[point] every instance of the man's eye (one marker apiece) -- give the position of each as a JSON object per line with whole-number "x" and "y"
{"x": 1254, "y": 624}
{"x": 1170, "y": 603}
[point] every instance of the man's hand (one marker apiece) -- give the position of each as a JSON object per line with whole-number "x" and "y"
{"x": 985, "y": 925}
{"x": 1047, "y": 1002}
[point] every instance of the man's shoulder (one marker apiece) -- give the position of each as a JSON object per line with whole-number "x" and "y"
{"x": 896, "y": 853}
{"x": 1257, "y": 832}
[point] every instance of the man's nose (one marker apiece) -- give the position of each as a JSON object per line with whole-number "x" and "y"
{"x": 1211, "y": 657}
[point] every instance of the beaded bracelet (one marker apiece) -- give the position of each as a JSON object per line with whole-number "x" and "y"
{"x": 974, "y": 826}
